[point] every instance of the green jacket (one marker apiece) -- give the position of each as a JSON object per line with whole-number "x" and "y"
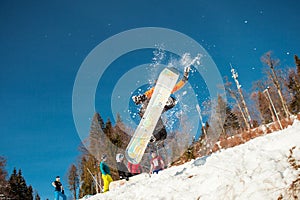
{"x": 104, "y": 168}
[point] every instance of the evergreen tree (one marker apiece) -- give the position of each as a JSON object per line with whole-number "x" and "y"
{"x": 86, "y": 179}
{"x": 18, "y": 187}
{"x": 109, "y": 129}
{"x": 220, "y": 115}
{"x": 231, "y": 121}
{"x": 104, "y": 138}
{"x": 13, "y": 182}
{"x": 88, "y": 185}
{"x": 293, "y": 85}
{"x": 265, "y": 107}
{"x": 297, "y": 62}
{"x": 96, "y": 135}
{"x": 37, "y": 197}
{"x": 109, "y": 148}
{"x": 73, "y": 180}
{"x": 29, "y": 193}
{"x": 22, "y": 188}
{"x": 122, "y": 137}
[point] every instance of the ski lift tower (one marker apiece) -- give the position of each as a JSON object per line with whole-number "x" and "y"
{"x": 244, "y": 106}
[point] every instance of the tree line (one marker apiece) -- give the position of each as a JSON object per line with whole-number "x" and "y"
{"x": 14, "y": 187}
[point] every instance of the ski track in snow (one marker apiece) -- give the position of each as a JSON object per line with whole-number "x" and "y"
{"x": 255, "y": 170}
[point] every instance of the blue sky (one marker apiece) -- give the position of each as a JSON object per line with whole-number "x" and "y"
{"x": 44, "y": 43}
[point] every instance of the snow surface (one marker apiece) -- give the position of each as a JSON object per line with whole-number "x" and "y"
{"x": 258, "y": 169}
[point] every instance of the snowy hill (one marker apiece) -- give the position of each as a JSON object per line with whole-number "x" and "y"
{"x": 258, "y": 169}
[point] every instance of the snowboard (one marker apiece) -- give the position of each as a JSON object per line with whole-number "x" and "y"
{"x": 139, "y": 141}
{"x": 119, "y": 183}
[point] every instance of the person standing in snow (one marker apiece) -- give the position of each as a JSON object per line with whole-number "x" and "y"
{"x": 157, "y": 163}
{"x": 106, "y": 176}
{"x": 59, "y": 190}
{"x": 134, "y": 169}
{"x": 121, "y": 167}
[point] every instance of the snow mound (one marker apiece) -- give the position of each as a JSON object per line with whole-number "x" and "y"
{"x": 258, "y": 169}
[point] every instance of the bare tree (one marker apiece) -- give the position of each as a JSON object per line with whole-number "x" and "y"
{"x": 272, "y": 63}
{"x": 73, "y": 180}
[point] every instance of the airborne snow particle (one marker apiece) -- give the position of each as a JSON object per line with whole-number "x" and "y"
{"x": 287, "y": 53}
{"x": 246, "y": 21}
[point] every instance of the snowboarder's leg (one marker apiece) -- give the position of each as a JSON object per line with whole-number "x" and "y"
{"x": 160, "y": 132}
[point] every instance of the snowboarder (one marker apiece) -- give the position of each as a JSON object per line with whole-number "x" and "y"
{"x": 160, "y": 132}
{"x": 106, "y": 176}
{"x": 157, "y": 163}
{"x": 134, "y": 169}
{"x": 122, "y": 169}
{"x": 59, "y": 190}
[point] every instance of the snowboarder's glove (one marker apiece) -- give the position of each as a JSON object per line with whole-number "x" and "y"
{"x": 186, "y": 73}
{"x": 139, "y": 99}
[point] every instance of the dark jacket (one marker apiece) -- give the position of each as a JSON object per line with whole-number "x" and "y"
{"x": 123, "y": 171}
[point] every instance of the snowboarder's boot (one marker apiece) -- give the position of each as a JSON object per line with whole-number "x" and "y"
{"x": 152, "y": 139}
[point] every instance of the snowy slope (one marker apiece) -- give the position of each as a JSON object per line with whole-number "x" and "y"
{"x": 256, "y": 170}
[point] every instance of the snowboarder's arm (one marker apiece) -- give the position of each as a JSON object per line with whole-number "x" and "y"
{"x": 53, "y": 183}
{"x": 183, "y": 81}
{"x": 149, "y": 93}
{"x": 178, "y": 86}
